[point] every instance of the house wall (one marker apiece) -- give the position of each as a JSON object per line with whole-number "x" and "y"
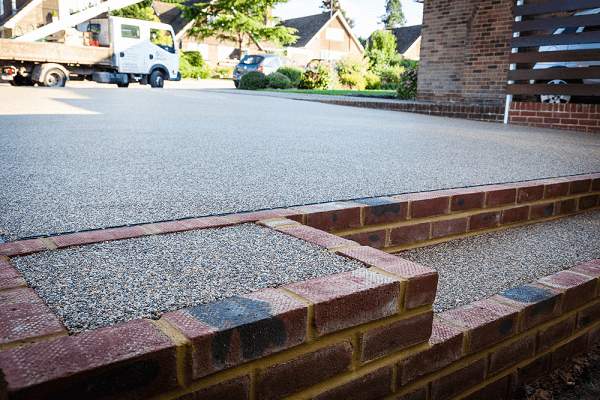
{"x": 414, "y": 51}
{"x": 321, "y": 43}
{"x": 465, "y": 49}
{"x": 216, "y": 49}
{"x": 38, "y": 16}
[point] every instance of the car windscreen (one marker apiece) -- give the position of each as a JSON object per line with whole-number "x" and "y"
{"x": 251, "y": 60}
{"x": 564, "y": 31}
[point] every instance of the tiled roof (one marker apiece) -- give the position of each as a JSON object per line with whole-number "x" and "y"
{"x": 307, "y": 27}
{"x": 406, "y": 36}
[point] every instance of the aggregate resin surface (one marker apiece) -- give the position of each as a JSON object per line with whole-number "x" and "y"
{"x": 75, "y": 159}
{"x": 98, "y": 285}
{"x": 480, "y": 266}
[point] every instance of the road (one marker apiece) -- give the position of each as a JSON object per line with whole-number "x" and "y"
{"x": 92, "y": 157}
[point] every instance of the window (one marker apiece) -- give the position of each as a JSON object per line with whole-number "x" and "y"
{"x": 593, "y": 28}
{"x": 201, "y": 47}
{"x": 334, "y": 34}
{"x": 252, "y": 60}
{"x": 130, "y": 31}
{"x": 163, "y": 39}
{"x": 1, "y": 7}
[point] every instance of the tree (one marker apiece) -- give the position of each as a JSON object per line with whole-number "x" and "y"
{"x": 382, "y": 51}
{"x": 336, "y": 6}
{"x": 142, "y": 10}
{"x": 394, "y": 17}
{"x": 239, "y": 21}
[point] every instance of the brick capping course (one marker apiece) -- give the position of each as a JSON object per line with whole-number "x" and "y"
{"x": 373, "y": 324}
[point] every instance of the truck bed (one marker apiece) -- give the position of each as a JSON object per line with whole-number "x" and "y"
{"x": 54, "y": 52}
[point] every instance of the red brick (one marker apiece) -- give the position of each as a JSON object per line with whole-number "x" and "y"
{"x": 189, "y": 224}
{"x": 593, "y": 337}
{"x": 236, "y": 388}
{"x": 556, "y": 188}
{"x": 596, "y": 184}
{"x": 529, "y": 372}
{"x": 278, "y": 223}
{"x": 375, "y": 385}
{"x": 484, "y": 220}
{"x": 289, "y": 377}
{"x": 588, "y": 201}
{"x": 488, "y": 322}
{"x": 496, "y": 390}
{"x": 507, "y": 356}
{"x": 241, "y": 328}
{"x": 530, "y": 191}
{"x": 579, "y": 289}
{"x": 536, "y": 303}
{"x": 579, "y": 185}
{"x": 588, "y": 316}
{"x": 417, "y": 394}
{"x": 349, "y": 299}
{"x": 445, "y": 347}
{"x": 421, "y": 281}
{"x": 516, "y": 214}
{"x": 565, "y": 207}
{"x": 542, "y": 210}
{"x": 569, "y": 350}
{"x": 466, "y": 199}
{"x": 81, "y": 238}
{"x": 331, "y": 216}
{"x": 25, "y": 317}
{"x": 426, "y": 204}
{"x": 555, "y": 333}
{"x": 500, "y": 194}
{"x": 130, "y": 360}
{"x": 381, "y": 210}
{"x": 375, "y": 239}
{"x": 396, "y": 336}
{"x": 409, "y": 234}
{"x": 591, "y": 267}
{"x": 22, "y": 247}
{"x": 10, "y": 277}
{"x": 449, "y": 227}
{"x": 458, "y": 381}
{"x": 318, "y": 237}
{"x": 266, "y": 214}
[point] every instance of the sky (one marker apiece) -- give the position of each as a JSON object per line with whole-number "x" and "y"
{"x": 366, "y": 13}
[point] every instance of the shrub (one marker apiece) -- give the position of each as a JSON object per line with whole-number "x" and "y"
{"x": 353, "y": 81}
{"x": 319, "y": 76}
{"x": 407, "y": 89}
{"x": 346, "y": 66}
{"x": 389, "y": 86}
{"x": 373, "y": 81}
{"x": 391, "y": 74}
{"x": 225, "y": 72}
{"x": 279, "y": 81}
{"x": 254, "y": 80}
{"x": 293, "y": 73}
{"x": 192, "y": 65}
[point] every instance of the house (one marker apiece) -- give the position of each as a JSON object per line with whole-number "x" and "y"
{"x": 18, "y": 17}
{"x": 323, "y": 36}
{"x": 408, "y": 41}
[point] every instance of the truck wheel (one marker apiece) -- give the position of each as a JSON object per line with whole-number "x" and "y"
{"x": 54, "y": 78}
{"x": 157, "y": 79}
{"x": 20, "y": 80}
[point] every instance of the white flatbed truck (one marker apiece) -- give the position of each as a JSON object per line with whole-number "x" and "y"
{"x": 139, "y": 51}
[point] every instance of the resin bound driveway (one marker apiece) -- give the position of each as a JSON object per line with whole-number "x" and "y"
{"x": 86, "y": 158}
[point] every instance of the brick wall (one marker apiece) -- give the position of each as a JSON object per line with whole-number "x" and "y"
{"x": 369, "y": 333}
{"x": 574, "y": 117}
{"x": 464, "y": 50}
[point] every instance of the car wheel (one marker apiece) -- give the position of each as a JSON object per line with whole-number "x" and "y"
{"x": 54, "y": 78}
{"x": 157, "y": 79}
{"x": 555, "y": 98}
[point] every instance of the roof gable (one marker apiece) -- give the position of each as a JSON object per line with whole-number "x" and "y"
{"x": 406, "y": 36}
{"x": 307, "y": 27}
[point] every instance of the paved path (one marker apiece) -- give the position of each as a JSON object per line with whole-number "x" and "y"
{"x": 82, "y": 158}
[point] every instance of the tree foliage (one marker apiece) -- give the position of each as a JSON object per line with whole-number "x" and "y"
{"x": 327, "y": 6}
{"x": 142, "y": 10}
{"x": 382, "y": 52}
{"x": 394, "y": 17}
{"x": 238, "y": 20}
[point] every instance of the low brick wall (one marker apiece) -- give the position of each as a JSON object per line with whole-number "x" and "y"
{"x": 368, "y": 333}
{"x": 475, "y": 112}
{"x": 574, "y": 117}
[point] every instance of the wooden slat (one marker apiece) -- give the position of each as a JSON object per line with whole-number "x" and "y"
{"x": 555, "y": 6}
{"x": 567, "y": 90}
{"x": 555, "y": 40}
{"x": 554, "y": 73}
{"x": 549, "y": 56}
{"x": 553, "y": 23}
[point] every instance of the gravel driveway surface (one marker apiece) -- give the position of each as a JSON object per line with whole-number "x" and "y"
{"x": 480, "y": 266}
{"x": 75, "y": 159}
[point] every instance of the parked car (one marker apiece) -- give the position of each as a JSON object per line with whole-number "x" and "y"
{"x": 266, "y": 63}
{"x": 569, "y": 64}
